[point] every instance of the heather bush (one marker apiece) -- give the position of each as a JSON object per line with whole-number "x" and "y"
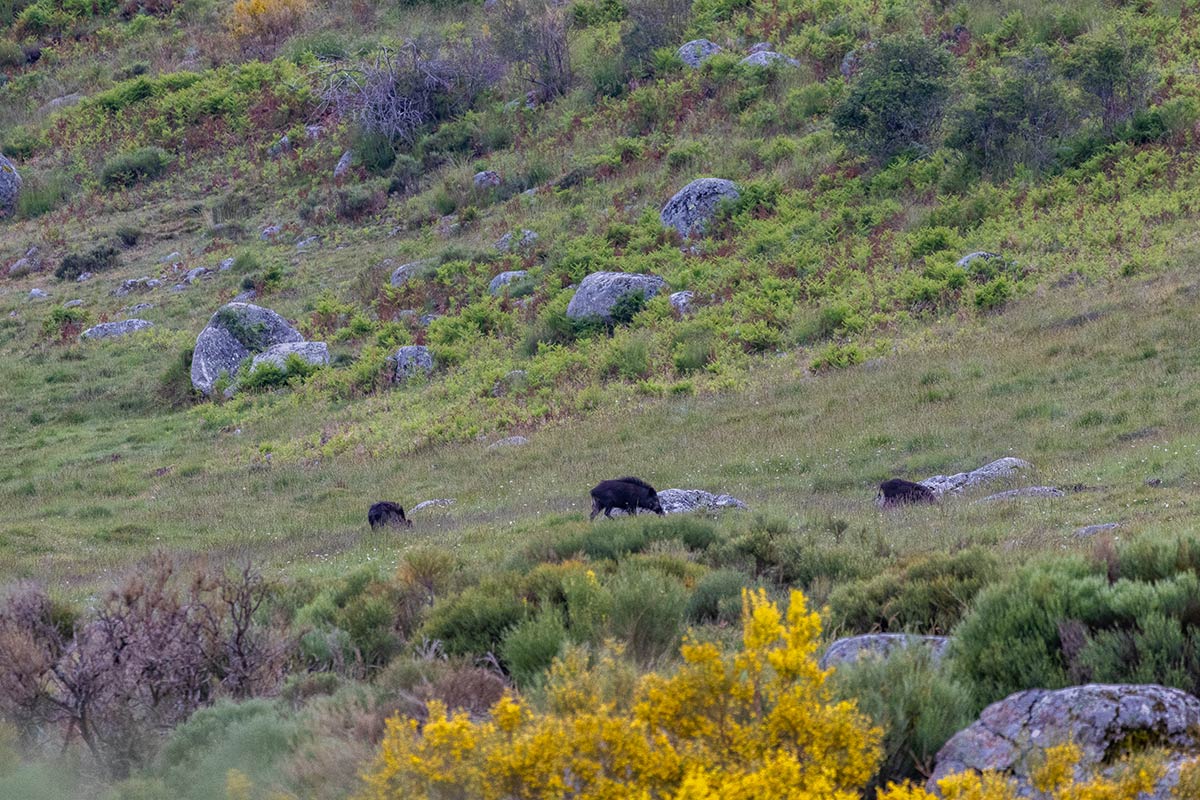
{"x": 97, "y": 259}
{"x": 647, "y": 611}
{"x": 531, "y": 646}
{"x": 717, "y": 597}
{"x": 133, "y": 167}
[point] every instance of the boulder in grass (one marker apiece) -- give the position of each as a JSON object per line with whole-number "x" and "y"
{"x": 1000, "y": 469}
{"x": 402, "y": 273}
{"x": 768, "y": 58}
{"x": 697, "y": 51}
{"x": 509, "y": 243}
{"x": 236, "y": 332}
{"x": 408, "y": 362}
{"x": 682, "y": 301}
{"x": 315, "y": 353}
{"x": 107, "y": 330}
{"x": 487, "y": 179}
{"x": 343, "y": 164}
{"x": 599, "y": 293}
{"x": 966, "y": 260}
{"x": 497, "y": 284}
{"x": 10, "y": 187}
{"x": 1025, "y": 491}
{"x": 439, "y": 502}
{"x": 880, "y": 645}
{"x": 692, "y": 207}
{"x": 683, "y": 501}
{"x": 143, "y": 284}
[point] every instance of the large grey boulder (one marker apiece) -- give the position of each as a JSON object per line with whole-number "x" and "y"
{"x": 880, "y": 645}
{"x": 690, "y": 210}
{"x": 1025, "y": 491}
{"x": 316, "y": 353}
{"x": 402, "y": 273}
{"x": 497, "y": 284}
{"x": 106, "y": 330}
{"x": 600, "y": 291}
{"x": 1000, "y": 469}
{"x": 697, "y": 51}
{"x": 10, "y": 187}
{"x": 409, "y": 361}
{"x": 236, "y": 332}
{"x": 767, "y": 58}
{"x": 683, "y": 501}
{"x": 1097, "y": 718}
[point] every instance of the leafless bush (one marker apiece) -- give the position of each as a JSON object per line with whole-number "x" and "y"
{"x": 152, "y": 653}
{"x": 401, "y": 91}
{"x": 534, "y": 32}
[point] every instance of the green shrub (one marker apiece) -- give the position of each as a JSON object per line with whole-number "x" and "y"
{"x": 717, "y": 597}
{"x": 11, "y": 54}
{"x": 628, "y": 357}
{"x": 268, "y": 375}
{"x": 96, "y": 260}
{"x": 918, "y": 706}
{"x": 128, "y": 235}
{"x": 65, "y": 323}
{"x": 475, "y": 622}
{"x": 531, "y": 646}
{"x": 175, "y": 388}
{"x": 133, "y": 167}
{"x": 647, "y": 611}
{"x": 994, "y": 294}
{"x": 929, "y": 595}
{"x": 41, "y": 194}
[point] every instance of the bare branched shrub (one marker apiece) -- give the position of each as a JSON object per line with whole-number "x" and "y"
{"x": 402, "y": 91}
{"x": 534, "y": 33}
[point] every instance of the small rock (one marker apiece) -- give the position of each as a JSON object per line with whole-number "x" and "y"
{"x": 425, "y": 319}
{"x": 37, "y": 294}
{"x": 84, "y": 277}
{"x": 316, "y": 353}
{"x": 10, "y": 187}
{"x": 981, "y": 254}
{"x": 226, "y": 265}
{"x": 512, "y": 380}
{"x": 697, "y": 51}
{"x": 196, "y": 274}
{"x": 510, "y": 441}
{"x": 108, "y": 330}
{"x": 409, "y": 361}
{"x": 1028, "y": 491}
{"x": 313, "y": 132}
{"x": 683, "y": 501}
{"x": 343, "y": 164}
{"x": 66, "y": 101}
{"x": 246, "y": 296}
{"x": 308, "y": 242}
{"x": 691, "y": 208}
{"x": 270, "y": 232}
{"x": 767, "y": 58}
{"x": 440, "y": 502}
{"x": 852, "y": 648}
{"x": 179, "y": 287}
{"x": 761, "y": 47}
{"x": 284, "y": 145}
{"x": 76, "y": 303}
{"x": 1000, "y": 469}
{"x": 448, "y": 226}
{"x": 497, "y": 284}
{"x": 681, "y": 301}
{"x": 505, "y": 243}
{"x": 1091, "y": 530}
{"x": 488, "y": 179}
{"x": 402, "y": 273}
{"x": 600, "y": 291}
{"x": 140, "y": 307}
{"x": 171, "y": 258}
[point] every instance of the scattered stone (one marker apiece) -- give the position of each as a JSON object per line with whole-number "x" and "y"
{"x": 76, "y": 303}
{"x": 84, "y": 277}
{"x": 312, "y": 352}
{"x": 171, "y": 258}
{"x": 307, "y": 242}
{"x": 179, "y": 287}
{"x": 510, "y": 441}
{"x": 425, "y": 319}
{"x": 511, "y": 381}
{"x": 683, "y": 501}
{"x": 448, "y": 226}
{"x": 505, "y": 243}
{"x": 142, "y": 284}
{"x": 440, "y": 502}
{"x": 107, "y": 330}
{"x": 196, "y": 274}
{"x": 600, "y": 291}
{"x": 65, "y": 101}
{"x": 402, "y": 273}
{"x": 22, "y": 267}
{"x": 226, "y": 265}
{"x": 690, "y": 210}
{"x": 1088, "y": 531}
{"x": 10, "y": 187}
{"x": 697, "y": 51}
{"x": 488, "y": 179}
{"x": 313, "y": 131}
{"x": 1028, "y": 491}
{"x": 270, "y": 232}
{"x": 881, "y": 645}
{"x": 284, "y": 145}
{"x": 408, "y": 361}
{"x": 246, "y": 296}
{"x": 37, "y": 294}
{"x": 999, "y": 469}
{"x": 497, "y": 284}
{"x": 761, "y": 47}
{"x": 969, "y": 257}
{"x": 235, "y": 332}
{"x": 140, "y": 307}
{"x": 1154, "y": 483}
{"x": 343, "y": 164}
{"x": 767, "y": 58}
{"x": 682, "y": 301}
{"x": 850, "y": 64}
{"x": 1097, "y": 718}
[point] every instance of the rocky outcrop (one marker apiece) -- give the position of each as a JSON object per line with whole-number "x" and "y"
{"x": 497, "y": 284}
{"x": 880, "y": 645}
{"x": 106, "y": 330}
{"x": 402, "y": 273}
{"x": 508, "y": 242}
{"x": 697, "y": 51}
{"x": 690, "y": 210}
{"x": 143, "y": 284}
{"x": 10, "y": 187}
{"x": 683, "y": 501}
{"x": 600, "y": 291}
{"x": 768, "y": 58}
{"x": 1100, "y": 719}
{"x": 234, "y": 333}
{"x": 408, "y": 362}
{"x": 487, "y": 179}
{"x": 1026, "y": 491}
{"x": 682, "y": 301}
{"x": 316, "y": 353}
{"x": 1000, "y": 469}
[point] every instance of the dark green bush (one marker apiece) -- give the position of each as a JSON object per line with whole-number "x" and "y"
{"x": 647, "y": 611}
{"x": 475, "y": 621}
{"x": 530, "y": 646}
{"x": 718, "y": 597}
{"x": 96, "y": 260}
{"x": 11, "y": 54}
{"x": 929, "y": 595}
{"x": 128, "y": 235}
{"x": 133, "y": 167}
{"x": 175, "y": 388}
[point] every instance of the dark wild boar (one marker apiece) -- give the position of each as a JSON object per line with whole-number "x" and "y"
{"x": 627, "y": 494}
{"x": 387, "y": 514}
{"x": 897, "y": 491}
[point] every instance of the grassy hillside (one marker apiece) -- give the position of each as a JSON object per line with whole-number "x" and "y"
{"x": 836, "y": 338}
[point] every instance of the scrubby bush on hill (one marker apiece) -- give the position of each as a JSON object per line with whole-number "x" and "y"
{"x": 134, "y": 167}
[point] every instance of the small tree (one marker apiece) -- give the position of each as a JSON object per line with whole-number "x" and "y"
{"x": 897, "y": 101}
{"x": 1113, "y": 66}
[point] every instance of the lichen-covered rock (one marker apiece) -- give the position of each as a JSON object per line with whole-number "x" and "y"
{"x": 438, "y": 502}
{"x": 143, "y": 284}
{"x": 682, "y": 301}
{"x": 405, "y": 271}
{"x": 1097, "y": 718}
{"x": 981, "y": 254}
{"x": 196, "y": 274}
{"x": 506, "y": 244}
{"x": 1000, "y": 469}
{"x": 10, "y": 187}
{"x": 761, "y": 47}
{"x": 107, "y": 330}
{"x": 343, "y": 164}
{"x": 684, "y": 501}
{"x": 38, "y": 294}
{"x": 767, "y": 58}
{"x": 408, "y": 361}
{"x": 1025, "y": 491}
{"x": 697, "y": 51}
{"x": 316, "y": 353}
{"x": 690, "y": 210}
{"x": 486, "y": 179}
{"x": 881, "y": 645}
{"x": 76, "y": 303}
{"x": 270, "y": 232}
{"x": 235, "y": 332}
{"x": 1091, "y": 530}
{"x": 508, "y": 441}
{"x": 600, "y": 291}
{"x": 497, "y": 284}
